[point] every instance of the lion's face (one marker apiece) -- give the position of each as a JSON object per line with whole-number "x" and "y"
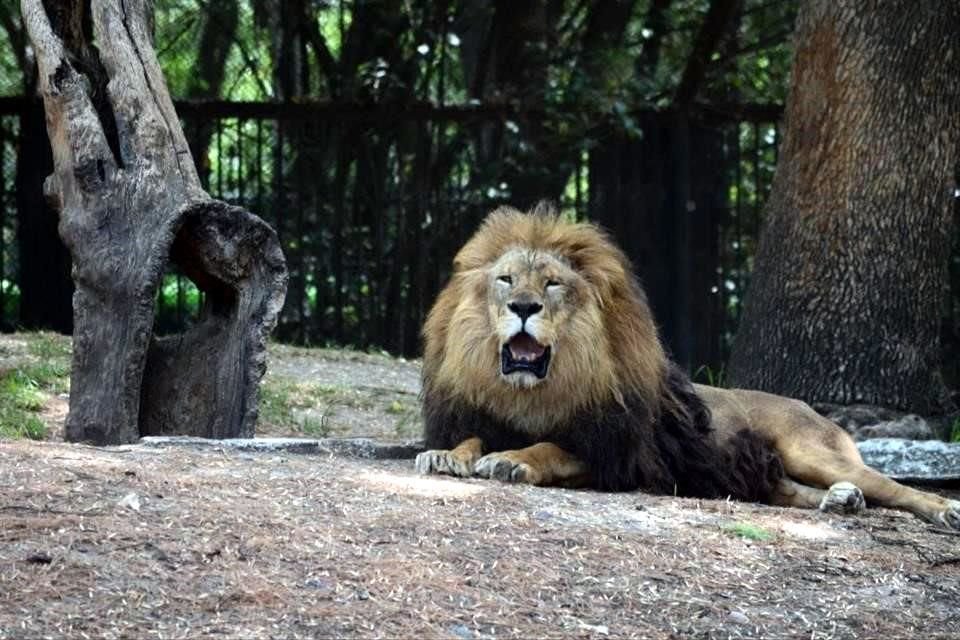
{"x": 534, "y": 298}
{"x": 541, "y": 318}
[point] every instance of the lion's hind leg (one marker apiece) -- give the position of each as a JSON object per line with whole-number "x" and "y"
{"x": 541, "y": 464}
{"x": 458, "y": 461}
{"x": 817, "y": 453}
{"x": 824, "y": 467}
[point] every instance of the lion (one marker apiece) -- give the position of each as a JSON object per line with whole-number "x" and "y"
{"x": 543, "y": 365}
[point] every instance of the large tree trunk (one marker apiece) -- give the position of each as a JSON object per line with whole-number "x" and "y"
{"x": 130, "y": 199}
{"x": 844, "y": 306}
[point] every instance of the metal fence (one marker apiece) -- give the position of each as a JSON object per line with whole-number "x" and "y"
{"x": 371, "y": 204}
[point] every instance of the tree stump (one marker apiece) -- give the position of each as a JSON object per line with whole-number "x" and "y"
{"x": 130, "y": 202}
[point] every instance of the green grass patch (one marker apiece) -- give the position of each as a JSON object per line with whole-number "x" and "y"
{"x": 283, "y": 402}
{"x": 20, "y": 401}
{"x": 408, "y": 418}
{"x": 747, "y": 530}
{"x": 28, "y": 381}
{"x": 955, "y": 431}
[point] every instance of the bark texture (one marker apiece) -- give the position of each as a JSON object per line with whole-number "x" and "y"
{"x": 845, "y": 302}
{"x": 130, "y": 200}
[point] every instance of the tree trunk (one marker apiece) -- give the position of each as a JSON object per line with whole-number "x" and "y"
{"x": 130, "y": 200}
{"x": 844, "y": 306}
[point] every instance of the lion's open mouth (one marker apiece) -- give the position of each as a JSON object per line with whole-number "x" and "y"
{"x": 524, "y": 353}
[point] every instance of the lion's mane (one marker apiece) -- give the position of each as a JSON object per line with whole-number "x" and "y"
{"x": 615, "y": 401}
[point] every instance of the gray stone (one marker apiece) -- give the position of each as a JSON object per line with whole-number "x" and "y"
{"x": 854, "y": 416}
{"x": 349, "y": 447}
{"x": 910, "y": 426}
{"x": 738, "y": 618}
{"x": 929, "y": 461}
{"x": 864, "y": 421}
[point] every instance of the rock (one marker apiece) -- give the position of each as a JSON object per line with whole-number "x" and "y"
{"x": 351, "y": 447}
{"x": 130, "y": 501}
{"x": 927, "y": 461}
{"x": 864, "y": 421}
{"x": 462, "y": 631}
{"x": 853, "y": 417}
{"x": 910, "y": 426}
{"x": 738, "y": 618}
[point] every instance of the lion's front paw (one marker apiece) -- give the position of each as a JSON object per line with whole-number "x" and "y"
{"x": 843, "y": 497}
{"x": 444, "y": 461}
{"x": 502, "y": 466}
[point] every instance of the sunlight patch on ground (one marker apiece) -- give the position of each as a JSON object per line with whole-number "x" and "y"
{"x": 420, "y": 486}
{"x": 808, "y": 530}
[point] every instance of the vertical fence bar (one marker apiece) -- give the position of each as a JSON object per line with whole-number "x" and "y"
{"x": 279, "y": 204}
{"x": 259, "y": 154}
{"x": 278, "y": 182}
{"x": 219, "y": 157}
{"x": 738, "y": 227}
{"x": 577, "y": 195}
{"x": 776, "y": 142}
{"x": 339, "y": 200}
{"x": 3, "y": 221}
{"x": 319, "y": 283}
{"x": 241, "y": 192}
{"x": 759, "y": 194}
{"x": 298, "y": 258}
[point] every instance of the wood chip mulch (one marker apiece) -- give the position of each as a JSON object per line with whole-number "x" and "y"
{"x": 138, "y": 542}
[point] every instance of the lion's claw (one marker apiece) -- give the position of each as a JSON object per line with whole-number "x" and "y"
{"x": 444, "y": 461}
{"x": 843, "y": 497}
{"x": 498, "y": 466}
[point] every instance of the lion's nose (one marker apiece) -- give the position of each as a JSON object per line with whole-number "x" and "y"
{"x": 525, "y": 309}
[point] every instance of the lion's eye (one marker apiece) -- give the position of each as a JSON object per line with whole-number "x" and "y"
{"x": 551, "y": 284}
{"x": 505, "y": 279}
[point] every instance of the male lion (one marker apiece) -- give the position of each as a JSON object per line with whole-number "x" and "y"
{"x": 542, "y": 365}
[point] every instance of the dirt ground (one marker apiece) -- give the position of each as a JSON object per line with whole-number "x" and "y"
{"x": 180, "y": 542}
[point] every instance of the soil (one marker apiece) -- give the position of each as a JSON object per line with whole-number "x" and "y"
{"x": 364, "y": 394}
{"x": 188, "y": 542}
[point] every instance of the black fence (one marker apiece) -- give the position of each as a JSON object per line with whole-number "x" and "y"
{"x": 369, "y": 207}
{"x": 371, "y": 203}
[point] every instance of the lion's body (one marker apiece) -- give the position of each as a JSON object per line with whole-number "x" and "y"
{"x": 542, "y": 364}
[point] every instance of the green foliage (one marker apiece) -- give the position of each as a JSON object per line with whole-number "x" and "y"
{"x": 955, "y": 431}
{"x": 748, "y": 531}
{"x": 12, "y": 80}
{"x": 417, "y": 48}
{"x": 706, "y": 375}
